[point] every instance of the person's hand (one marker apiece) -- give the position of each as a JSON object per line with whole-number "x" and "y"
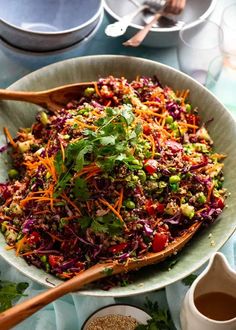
{"x": 175, "y": 6}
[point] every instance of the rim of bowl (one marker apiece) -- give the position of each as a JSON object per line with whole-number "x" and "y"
{"x": 24, "y": 52}
{"x": 62, "y": 32}
{"x": 113, "y": 305}
{"x": 139, "y": 27}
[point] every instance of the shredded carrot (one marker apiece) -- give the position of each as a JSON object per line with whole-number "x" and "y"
{"x": 71, "y": 203}
{"x": 104, "y": 202}
{"x": 38, "y": 199}
{"x": 188, "y": 125}
{"x": 20, "y": 244}
{"x": 120, "y": 201}
{"x": 9, "y": 137}
{"x": 185, "y": 94}
{"x": 96, "y": 89}
{"x": 152, "y": 103}
{"x": 80, "y": 123}
{"x": 148, "y": 112}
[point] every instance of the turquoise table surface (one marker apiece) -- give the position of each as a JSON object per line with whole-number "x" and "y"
{"x": 71, "y": 311}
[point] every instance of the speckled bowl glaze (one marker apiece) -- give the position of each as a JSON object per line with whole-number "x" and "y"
{"x": 222, "y": 129}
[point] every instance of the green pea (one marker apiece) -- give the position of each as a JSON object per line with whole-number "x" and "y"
{"x": 169, "y": 119}
{"x": 135, "y": 162}
{"x": 201, "y": 198}
{"x": 43, "y": 259}
{"x": 47, "y": 267}
{"x": 13, "y": 173}
{"x": 174, "y": 179}
{"x": 174, "y": 125}
{"x": 130, "y": 204}
{"x": 188, "y": 108}
{"x": 142, "y": 176}
{"x": 44, "y": 118}
{"x": 89, "y": 91}
{"x": 174, "y": 186}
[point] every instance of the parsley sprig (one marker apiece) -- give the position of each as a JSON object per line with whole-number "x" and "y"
{"x": 160, "y": 319}
{"x": 9, "y": 292}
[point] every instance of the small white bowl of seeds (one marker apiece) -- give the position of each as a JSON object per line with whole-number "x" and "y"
{"x": 116, "y": 317}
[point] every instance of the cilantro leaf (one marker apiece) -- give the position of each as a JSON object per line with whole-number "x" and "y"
{"x": 85, "y": 222}
{"x": 9, "y": 292}
{"x": 127, "y": 113}
{"x": 80, "y": 189}
{"x": 160, "y": 319}
{"x": 107, "y": 224}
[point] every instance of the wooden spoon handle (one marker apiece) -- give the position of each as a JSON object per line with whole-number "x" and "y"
{"x": 33, "y": 97}
{"x": 136, "y": 40}
{"x": 20, "y": 312}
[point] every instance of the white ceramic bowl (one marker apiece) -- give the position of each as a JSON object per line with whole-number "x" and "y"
{"x": 161, "y": 36}
{"x": 47, "y": 25}
{"x": 222, "y": 130}
{"x": 119, "y": 309}
{"x": 34, "y": 60}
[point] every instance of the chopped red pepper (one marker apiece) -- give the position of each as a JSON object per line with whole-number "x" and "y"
{"x": 55, "y": 260}
{"x": 150, "y": 165}
{"x": 34, "y": 238}
{"x": 117, "y": 248}
{"x": 147, "y": 129}
{"x": 153, "y": 208}
{"x": 220, "y": 203}
{"x": 159, "y": 242}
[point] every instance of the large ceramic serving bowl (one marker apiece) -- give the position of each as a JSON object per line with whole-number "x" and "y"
{"x": 164, "y": 36}
{"x": 222, "y": 129}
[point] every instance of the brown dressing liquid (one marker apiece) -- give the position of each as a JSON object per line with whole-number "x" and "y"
{"x": 217, "y": 306}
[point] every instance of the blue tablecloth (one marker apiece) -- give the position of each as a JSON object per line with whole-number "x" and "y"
{"x": 71, "y": 311}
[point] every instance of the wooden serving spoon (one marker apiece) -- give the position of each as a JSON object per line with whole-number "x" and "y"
{"x": 52, "y": 99}
{"x": 18, "y": 313}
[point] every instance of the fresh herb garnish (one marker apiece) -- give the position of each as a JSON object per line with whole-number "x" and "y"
{"x": 107, "y": 224}
{"x": 9, "y": 292}
{"x": 160, "y": 319}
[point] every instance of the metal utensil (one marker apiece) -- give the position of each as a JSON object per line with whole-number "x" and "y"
{"x": 137, "y": 39}
{"x": 164, "y": 21}
{"x": 119, "y": 28}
